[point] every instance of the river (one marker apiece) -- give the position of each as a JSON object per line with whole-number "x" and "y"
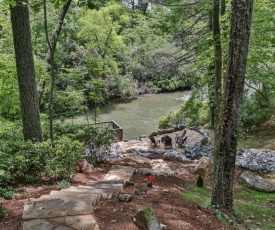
{"x": 138, "y": 116}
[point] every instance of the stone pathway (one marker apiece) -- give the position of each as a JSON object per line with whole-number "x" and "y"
{"x": 72, "y": 208}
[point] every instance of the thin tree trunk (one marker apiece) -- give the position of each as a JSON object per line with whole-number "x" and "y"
{"x": 225, "y": 153}
{"x": 53, "y": 42}
{"x": 211, "y": 84}
{"x": 218, "y": 65}
{"x": 52, "y": 73}
{"x": 25, "y": 70}
{"x": 218, "y": 71}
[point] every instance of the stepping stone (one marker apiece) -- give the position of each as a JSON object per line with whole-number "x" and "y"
{"x": 106, "y": 182}
{"x": 105, "y": 193}
{"x": 75, "y": 193}
{"x": 114, "y": 191}
{"x": 62, "y": 223}
{"x": 107, "y": 186}
{"x": 137, "y": 158}
{"x": 118, "y": 172}
{"x": 160, "y": 167}
{"x": 55, "y": 207}
{"x": 94, "y": 197}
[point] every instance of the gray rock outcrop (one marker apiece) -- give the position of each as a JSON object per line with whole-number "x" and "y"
{"x": 256, "y": 182}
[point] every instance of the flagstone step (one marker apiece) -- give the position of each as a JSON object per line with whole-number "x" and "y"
{"x": 103, "y": 186}
{"x": 65, "y": 223}
{"x": 106, "y": 193}
{"x": 95, "y": 197}
{"x": 56, "y": 207}
{"x": 72, "y": 208}
{"x": 118, "y": 172}
{"x": 106, "y": 182}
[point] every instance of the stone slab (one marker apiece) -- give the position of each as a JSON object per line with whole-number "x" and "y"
{"x": 94, "y": 197}
{"x": 75, "y": 193}
{"x": 160, "y": 167}
{"x": 106, "y": 182}
{"x": 55, "y": 207}
{"x": 103, "y": 186}
{"x": 83, "y": 222}
{"x": 118, "y": 172}
{"x": 105, "y": 193}
{"x": 137, "y": 158}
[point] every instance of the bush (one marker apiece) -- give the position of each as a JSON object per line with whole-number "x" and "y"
{"x": 193, "y": 112}
{"x": 200, "y": 181}
{"x": 255, "y": 111}
{"x": 63, "y": 157}
{"x": 63, "y": 184}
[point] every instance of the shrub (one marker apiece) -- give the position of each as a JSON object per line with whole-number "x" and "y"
{"x": 255, "y": 111}
{"x": 193, "y": 112}
{"x": 63, "y": 184}
{"x": 200, "y": 181}
{"x": 63, "y": 157}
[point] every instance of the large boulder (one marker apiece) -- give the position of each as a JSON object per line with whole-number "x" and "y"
{"x": 204, "y": 167}
{"x": 146, "y": 219}
{"x": 256, "y": 182}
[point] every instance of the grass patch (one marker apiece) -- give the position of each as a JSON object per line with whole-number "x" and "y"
{"x": 198, "y": 195}
{"x": 255, "y": 208}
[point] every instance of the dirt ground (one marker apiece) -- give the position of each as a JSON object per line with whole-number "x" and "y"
{"x": 112, "y": 214}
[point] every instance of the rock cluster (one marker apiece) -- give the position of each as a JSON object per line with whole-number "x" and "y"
{"x": 256, "y": 160}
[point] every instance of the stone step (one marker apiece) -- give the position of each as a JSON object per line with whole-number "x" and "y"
{"x": 67, "y": 222}
{"x": 105, "y": 193}
{"x": 106, "y": 182}
{"x": 95, "y": 197}
{"x": 118, "y": 172}
{"x": 57, "y": 206}
{"x": 102, "y": 186}
{"x": 114, "y": 191}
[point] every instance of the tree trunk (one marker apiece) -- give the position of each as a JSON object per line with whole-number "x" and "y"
{"x": 50, "y": 61}
{"x": 211, "y": 83}
{"x": 218, "y": 65}
{"x": 218, "y": 71}
{"x": 53, "y": 42}
{"x": 25, "y": 71}
{"x": 225, "y": 153}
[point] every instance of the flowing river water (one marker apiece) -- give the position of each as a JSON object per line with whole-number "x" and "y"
{"x": 138, "y": 116}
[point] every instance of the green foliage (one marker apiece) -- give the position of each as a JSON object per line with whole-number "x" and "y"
{"x": 193, "y": 112}
{"x": 255, "y": 111}
{"x": 63, "y": 184}
{"x": 148, "y": 211}
{"x": 97, "y": 140}
{"x": 63, "y": 157}
{"x": 200, "y": 181}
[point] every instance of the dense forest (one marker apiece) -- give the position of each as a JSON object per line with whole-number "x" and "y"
{"x": 60, "y": 57}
